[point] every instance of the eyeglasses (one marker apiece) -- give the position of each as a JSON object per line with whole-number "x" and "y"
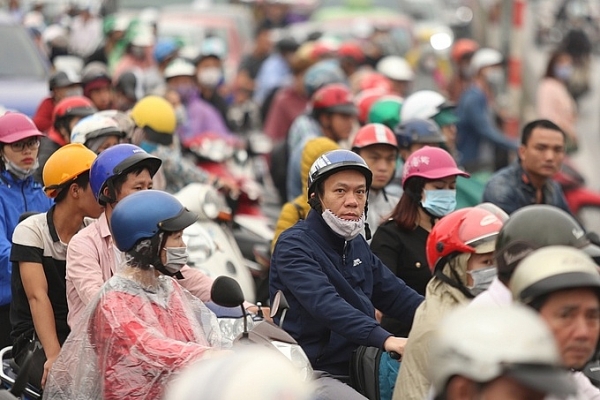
{"x": 31, "y": 144}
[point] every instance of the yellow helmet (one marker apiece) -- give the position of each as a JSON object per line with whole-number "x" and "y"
{"x": 158, "y": 115}
{"x": 64, "y": 165}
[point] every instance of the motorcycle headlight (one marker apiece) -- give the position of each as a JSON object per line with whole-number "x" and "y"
{"x": 233, "y": 327}
{"x": 212, "y": 204}
{"x": 440, "y": 41}
{"x": 199, "y": 243}
{"x": 296, "y": 355}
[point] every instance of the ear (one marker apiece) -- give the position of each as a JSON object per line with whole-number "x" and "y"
{"x": 74, "y": 190}
{"x": 521, "y": 151}
{"x": 460, "y": 387}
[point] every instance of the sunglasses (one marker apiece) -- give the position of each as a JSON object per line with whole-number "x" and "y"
{"x": 31, "y": 144}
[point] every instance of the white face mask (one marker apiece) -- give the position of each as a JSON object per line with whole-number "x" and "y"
{"x": 177, "y": 257}
{"x": 482, "y": 279}
{"x": 210, "y": 77}
{"x": 20, "y": 173}
{"x": 343, "y": 227}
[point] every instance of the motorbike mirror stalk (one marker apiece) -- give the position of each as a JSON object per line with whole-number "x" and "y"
{"x": 279, "y": 307}
{"x": 226, "y": 292}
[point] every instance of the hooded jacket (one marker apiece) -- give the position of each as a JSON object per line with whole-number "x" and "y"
{"x": 16, "y": 197}
{"x": 440, "y": 298}
{"x": 333, "y": 287}
{"x": 298, "y": 209}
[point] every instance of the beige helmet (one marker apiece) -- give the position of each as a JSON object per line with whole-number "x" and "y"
{"x": 482, "y": 343}
{"x": 551, "y": 269}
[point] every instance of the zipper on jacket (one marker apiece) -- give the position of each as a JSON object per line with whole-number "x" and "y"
{"x": 344, "y": 253}
{"x": 23, "y": 194}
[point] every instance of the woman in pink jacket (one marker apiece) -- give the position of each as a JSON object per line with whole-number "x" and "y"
{"x": 554, "y": 102}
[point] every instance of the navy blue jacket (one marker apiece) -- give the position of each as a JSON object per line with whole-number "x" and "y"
{"x": 333, "y": 287}
{"x": 510, "y": 190}
{"x": 16, "y": 197}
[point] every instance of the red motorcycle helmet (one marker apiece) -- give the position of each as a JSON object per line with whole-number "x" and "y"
{"x": 74, "y": 106}
{"x": 364, "y": 101}
{"x": 468, "y": 230}
{"x": 462, "y": 47}
{"x": 372, "y": 134}
{"x": 334, "y": 98}
{"x": 351, "y": 49}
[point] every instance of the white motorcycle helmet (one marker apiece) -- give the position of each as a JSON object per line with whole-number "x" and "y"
{"x": 244, "y": 368}
{"x": 179, "y": 67}
{"x": 423, "y": 104}
{"x": 93, "y": 127}
{"x": 395, "y": 68}
{"x": 551, "y": 269}
{"x": 484, "y": 343}
{"x": 485, "y": 57}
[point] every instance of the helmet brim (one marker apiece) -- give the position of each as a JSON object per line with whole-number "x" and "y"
{"x": 544, "y": 378}
{"x": 591, "y": 250}
{"x": 153, "y": 163}
{"x": 348, "y": 109}
{"x": 15, "y": 137}
{"x": 566, "y": 281}
{"x": 442, "y": 173}
{"x": 181, "y": 221}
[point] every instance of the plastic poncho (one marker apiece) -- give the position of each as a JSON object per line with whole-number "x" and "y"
{"x": 138, "y": 333}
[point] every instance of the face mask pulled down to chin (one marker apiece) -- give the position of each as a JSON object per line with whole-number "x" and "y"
{"x": 345, "y": 228}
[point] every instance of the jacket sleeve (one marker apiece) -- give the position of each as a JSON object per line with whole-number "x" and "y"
{"x": 499, "y": 192}
{"x": 478, "y": 115}
{"x": 302, "y": 273}
{"x": 83, "y": 267}
{"x": 196, "y": 283}
{"x": 287, "y": 218}
{"x": 386, "y": 246}
{"x": 391, "y": 295}
{"x": 5, "y": 265}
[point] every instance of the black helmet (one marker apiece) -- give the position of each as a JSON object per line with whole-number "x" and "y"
{"x": 62, "y": 79}
{"x": 127, "y": 84}
{"x": 418, "y": 131}
{"x": 534, "y": 227}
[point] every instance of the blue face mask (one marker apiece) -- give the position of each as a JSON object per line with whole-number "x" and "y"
{"x": 563, "y": 72}
{"x": 439, "y": 202}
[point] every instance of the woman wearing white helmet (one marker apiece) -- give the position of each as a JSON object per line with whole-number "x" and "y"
{"x": 97, "y": 133}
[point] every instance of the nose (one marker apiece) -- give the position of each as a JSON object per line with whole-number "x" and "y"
{"x": 351, "y": 200}
{"x": 584, "y": 329}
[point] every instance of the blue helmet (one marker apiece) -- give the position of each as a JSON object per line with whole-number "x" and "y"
{"x": 163, "y": 48}
{"x": 116, "y": 161}
{"x": 143, "y": 214}
{"x": 321, "y": 74}
{"x": 418, "y": 131}
{"x": 336, "y": 161}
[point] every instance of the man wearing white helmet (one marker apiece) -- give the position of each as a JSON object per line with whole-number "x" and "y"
{"x": 399, "y": 72}
{"x": 474, "y": 111}
{"x": 563, "y": 285}
{"x": 477, "y": 353}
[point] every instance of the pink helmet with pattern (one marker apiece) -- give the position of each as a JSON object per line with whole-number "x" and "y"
{"x": 430, "y": 163}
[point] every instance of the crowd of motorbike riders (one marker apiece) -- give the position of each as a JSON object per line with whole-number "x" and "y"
{"x": 378, "y": 242}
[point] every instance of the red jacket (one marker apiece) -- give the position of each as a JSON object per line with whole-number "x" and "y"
{"x": 43, "y": 115}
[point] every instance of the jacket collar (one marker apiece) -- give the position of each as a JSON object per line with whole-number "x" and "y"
{"x": 318, "y": 224}
{"x": 9, "y": 179}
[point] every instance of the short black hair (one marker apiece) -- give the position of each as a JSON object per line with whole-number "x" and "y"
{"x": 120, "y": 179}
{"x": 539, "y": 123}
{"x": 82, "y": 181}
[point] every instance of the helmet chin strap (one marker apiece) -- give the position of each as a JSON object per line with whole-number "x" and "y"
{"x": 154, "y": 258}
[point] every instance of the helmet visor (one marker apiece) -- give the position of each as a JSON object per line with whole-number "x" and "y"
{"x": 181, "y": 221}
{"x": 544, "y": 378}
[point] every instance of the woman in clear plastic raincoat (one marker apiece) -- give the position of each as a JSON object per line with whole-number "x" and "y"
{"x": 144, "y": 327}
